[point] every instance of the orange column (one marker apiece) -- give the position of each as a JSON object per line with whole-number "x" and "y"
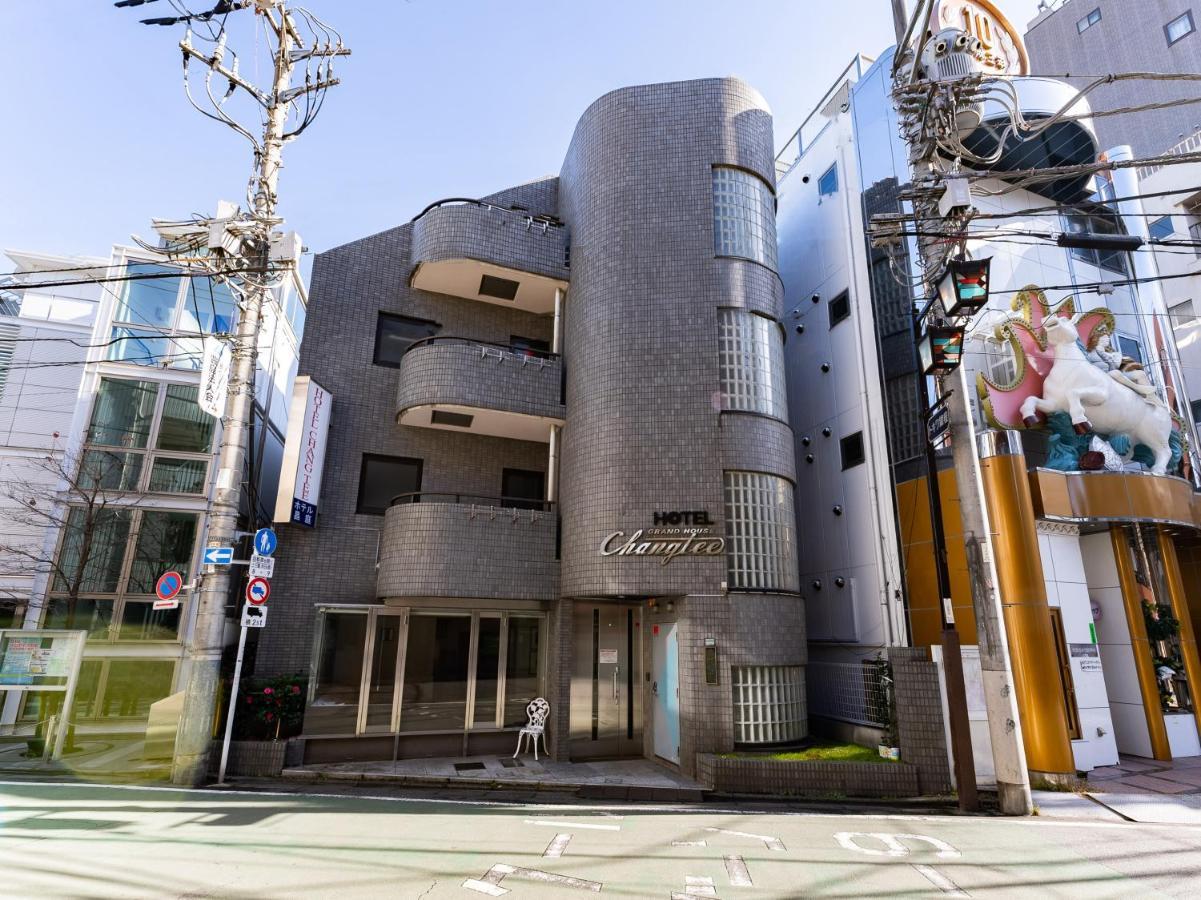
{"x": 1179, "y": 599}
{"x": 1036, "y": 675}
{"x": 1144, "y": 660}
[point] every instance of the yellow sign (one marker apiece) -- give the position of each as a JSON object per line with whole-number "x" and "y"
{"x": 1002, "y": 50}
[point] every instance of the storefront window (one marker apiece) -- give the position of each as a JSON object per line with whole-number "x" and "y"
{"x": 93, "y": 549}
{"x": 149, "y": 299}
{"x": 140, "y": 621}
{"x": 381, "y": 687}
{"x": 334, "y": 692}
{"x": 184, "y": 426}
{"x": 165, "y": 542}
{"x": 435, "y": 683}
{"x": 487, "y": 668}
{"x": 522, "y": 683}
{"x": 134, "y": 684}
{"x": 123, "y": 413}
{"x": 92, "y": 615}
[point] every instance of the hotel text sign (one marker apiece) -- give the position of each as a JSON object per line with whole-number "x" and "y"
{"x": 675, "y": 533}
{"x": 304, "y": 453}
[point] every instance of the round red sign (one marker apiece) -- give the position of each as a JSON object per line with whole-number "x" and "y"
{"x": 168, "y": 586}
{"x": 257, "y": 591}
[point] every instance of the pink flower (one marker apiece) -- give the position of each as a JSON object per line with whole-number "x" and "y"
{"x": 268, "y": 691}
{"x": 295, "y": 689}
{"x": 249, "y": 699}
{"x": 270, "y": 716}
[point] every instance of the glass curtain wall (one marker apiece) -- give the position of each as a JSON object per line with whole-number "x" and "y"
{"x": 382, "y": 670}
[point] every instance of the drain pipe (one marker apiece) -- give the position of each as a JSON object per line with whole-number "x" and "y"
{"x": 552, "y": 462}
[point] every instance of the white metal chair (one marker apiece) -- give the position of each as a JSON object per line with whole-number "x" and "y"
{"x": 537, "y": 711}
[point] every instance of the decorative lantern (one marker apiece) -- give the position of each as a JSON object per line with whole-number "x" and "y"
{"x": 941, "y": 349}
{"x": 963, "y": 288}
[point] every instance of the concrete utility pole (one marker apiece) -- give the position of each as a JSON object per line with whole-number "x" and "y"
{"x": 1009, "y": 758}
{"x": 246, "y": 239}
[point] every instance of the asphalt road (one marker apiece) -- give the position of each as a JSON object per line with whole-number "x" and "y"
{"x": 68, "y": 840}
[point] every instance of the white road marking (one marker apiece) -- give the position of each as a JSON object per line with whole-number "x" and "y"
{"x": 848, "y": 841}
{"x": 559, "y": 823}
{"x": 490, "y": 883}
{"x": 695, "y": 886}
{"x": 737, "y": 872}
{"x": 557, "y": 845}
{"x": 689, "y": 844}
{"x": 772, "y": 843}
{"x": 941, "y": 881}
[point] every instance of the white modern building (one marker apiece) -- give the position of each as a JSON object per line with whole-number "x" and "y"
{"x": 1100, "y": 543}
{"x": 123, "y": 410}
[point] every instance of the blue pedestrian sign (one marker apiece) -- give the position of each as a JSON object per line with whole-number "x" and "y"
{"x": 265, "y": 542}
{"x": 218, "y": 556}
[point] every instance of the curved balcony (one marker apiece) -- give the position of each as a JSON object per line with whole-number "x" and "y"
{"x": 1072, "y": 141}
{"x": 477, "y": 387}
{"x": 457, "y": 545}
{"x": 483, "y": 252}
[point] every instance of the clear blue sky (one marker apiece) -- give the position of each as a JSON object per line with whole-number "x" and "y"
{"x": 441, "y": 98}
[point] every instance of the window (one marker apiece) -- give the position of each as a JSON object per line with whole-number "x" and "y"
{"x": 760, "y": 540}
{"x": 1180, "y": 27}
{"x": 148, "y": 436}
{"x": 523, "y": 489}
{"x": 1182, "y": 316}
{"x": 751, "y": 359}
{"x": 1088, "y": 21}
{"x": 851, "y": 448}
{"x": 120, "y": 553}
{"x": 1161, "y": 228}
{"x": 8, "y": 344}
{"x": 744, "y": 216}
{"x": 840, "y": 308}
{"x": 769, "y": 704}
{"x": 827, "y": 185}
{"x": 384, "y": 477}
{"x": 160, "y": 313}
{"x": 522, "y": 668}
{"x": 1131, "y": 348}
{"x": 435, "y": 674}
{"x": 334, "y": 691}
{"x": 453, "y": 419}
{"x": 1194, "y": 232}
{"x": 395, "y": 334}
{"x": 1097, "y": 223}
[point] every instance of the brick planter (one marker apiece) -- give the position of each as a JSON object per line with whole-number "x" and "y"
{"x": 252, "y": 759}
{"x": 806, "y": 778}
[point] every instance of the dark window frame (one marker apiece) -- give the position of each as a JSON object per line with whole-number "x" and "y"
{"x": 1171, "y": 227}
{"x": 513, "y": 500}
{"x": 1088, "y": 21}
{"x": 822, "y": 188}
{"x": 381, "y": 318}
{"x": 378, "y": 457}
{"x": 839, "y": 308}
{"x": 851, "y": 462}
{"x": 1192, "y": 27}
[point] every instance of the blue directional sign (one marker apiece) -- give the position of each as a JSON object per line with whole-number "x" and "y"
{"x": 218, "y": 556}
{"x": 265, "y": 542}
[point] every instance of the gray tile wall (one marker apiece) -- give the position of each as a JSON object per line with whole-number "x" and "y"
{"x": 490, "y": 234}
{"x": 479, "y": 376}
{"x": 1129, "y": 38}
{"x": 919, "y": 717}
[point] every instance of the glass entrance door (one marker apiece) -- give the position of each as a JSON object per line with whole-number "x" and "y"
{"x": 606, "y": 682}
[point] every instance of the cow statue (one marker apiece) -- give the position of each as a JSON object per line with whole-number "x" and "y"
{"x": 1109, "y": 403}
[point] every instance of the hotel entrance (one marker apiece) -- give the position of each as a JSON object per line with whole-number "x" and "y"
{"x": 606, "y": 681}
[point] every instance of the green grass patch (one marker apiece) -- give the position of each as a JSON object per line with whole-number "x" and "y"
{"x": 826, "y": 751}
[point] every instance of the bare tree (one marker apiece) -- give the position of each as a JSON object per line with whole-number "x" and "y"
{"x": 57, "y": 522}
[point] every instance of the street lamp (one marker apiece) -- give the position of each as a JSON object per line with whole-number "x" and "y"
{"x": 940, "y": 349}
{"x": 963, "y": 288}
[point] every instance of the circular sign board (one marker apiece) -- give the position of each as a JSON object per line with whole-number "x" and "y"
{"x": 265, "y": 542}
{"x": 168, "y": 586}
{"x": 257, "y": 591}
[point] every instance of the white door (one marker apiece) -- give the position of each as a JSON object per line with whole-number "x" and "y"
{"x": 665, "y": 691}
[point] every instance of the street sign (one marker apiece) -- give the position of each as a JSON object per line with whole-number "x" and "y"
{"x": 257, "y": 591}
{"x": 218, "y": 556}
{"x": 262, "y": 566}
{"x": 254, "y": 616}
{"x": 265, "y": 542}
{"x": 168, "y": 586}
{"x": 938, "y": 423}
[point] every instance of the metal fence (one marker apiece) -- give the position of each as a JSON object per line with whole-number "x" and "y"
{"x": 849, "y": 692}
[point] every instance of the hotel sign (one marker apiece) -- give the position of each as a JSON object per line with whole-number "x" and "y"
{"x": 675, "y": 533}
{"x": 304, "y": 453}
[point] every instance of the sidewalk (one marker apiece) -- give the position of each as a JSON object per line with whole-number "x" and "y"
{"x": 1135, "y": 790}
{"x": 631, "y": 779}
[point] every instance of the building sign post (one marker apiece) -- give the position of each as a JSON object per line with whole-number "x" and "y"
{"x": 304, "y": 453}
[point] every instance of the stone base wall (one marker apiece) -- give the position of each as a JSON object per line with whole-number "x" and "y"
{"x": 919, "y": 717}
{"x": 817, "y": 778}
{"x": 251, "y": 759}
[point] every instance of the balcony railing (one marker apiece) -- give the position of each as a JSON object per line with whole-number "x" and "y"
{"x": 473, "y": 500}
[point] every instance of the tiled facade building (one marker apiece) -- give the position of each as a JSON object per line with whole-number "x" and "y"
{"x": 559, "y": 463}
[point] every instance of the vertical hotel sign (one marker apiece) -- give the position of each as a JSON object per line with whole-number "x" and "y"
{"x": 304, "y": 453}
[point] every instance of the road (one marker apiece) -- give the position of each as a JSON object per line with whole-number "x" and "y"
{"x": 69, "y": 840}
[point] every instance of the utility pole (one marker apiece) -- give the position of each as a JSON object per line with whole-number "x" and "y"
{"x": 1013, "y": 778}
{"x": 246, "y": 239}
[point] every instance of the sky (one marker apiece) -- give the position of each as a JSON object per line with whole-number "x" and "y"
{"x": 441, "y": 98}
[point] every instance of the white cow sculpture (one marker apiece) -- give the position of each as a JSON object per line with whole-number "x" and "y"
{"x": 1113, "y": 406}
